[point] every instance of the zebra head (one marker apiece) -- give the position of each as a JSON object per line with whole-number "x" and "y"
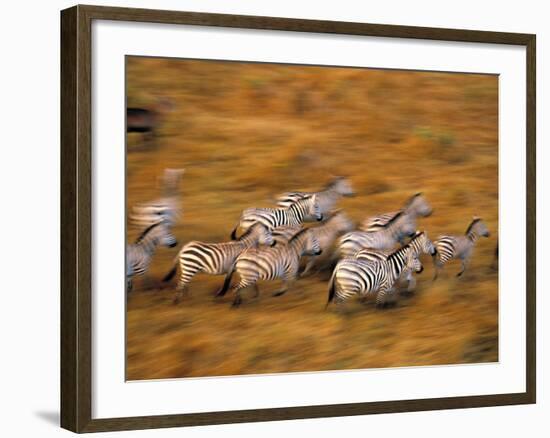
{"x": 423, "y": 244}
{"x": 166, "y": 238}
{"x": 418, "y": 206}
{"x": 478, "y": 227}
{"x": 314, "y": 208}
{"x": 413, "y": 262}
{"x": 312, "y": 246}
{"x": 342, "y": 186}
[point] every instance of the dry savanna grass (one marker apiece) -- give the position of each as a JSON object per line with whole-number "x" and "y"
{"x": 245, "y": 132}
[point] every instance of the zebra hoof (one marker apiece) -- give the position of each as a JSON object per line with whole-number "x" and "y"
{"x": 278, "y": 294}
{"x": 236, "y": 303}
{"x": 175, "y": 301}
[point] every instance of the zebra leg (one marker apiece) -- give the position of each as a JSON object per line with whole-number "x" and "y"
{"x": 182, "y": 288}
{"x": 385, "y": 297}
{"x": 129, "y": 285}
{"x": 243, "y": 284}
{"x": 464, "y": 265}
{"x": 437, "y": 267}
{"x": 288, "y": 281}
{"x": 411, "y": 283}
{"x": 179, "y": 294}
{"x": 308, "y": 268}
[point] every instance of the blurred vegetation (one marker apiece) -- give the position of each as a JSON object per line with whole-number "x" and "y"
{"x": 245, "y": 132}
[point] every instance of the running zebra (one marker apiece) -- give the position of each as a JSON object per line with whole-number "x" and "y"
{"x": 327, "y": 198}
{"x": 166, "y": 208}
{"x": 420, "y": 243}
{"x": 459, "y": 247}
{"x": 416, "y": 206}
{"x": 277, "y": 217}
{"x": 386, "y": 237}
{"x": 213, "y": 258}
{"x": 359, "y": 277}
{"x": 280, "y": 261}
{"x": 140, "y": 253}
{"x": 327, "y": 234}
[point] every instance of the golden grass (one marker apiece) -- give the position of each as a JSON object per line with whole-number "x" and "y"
{"x": 245, "y": 132}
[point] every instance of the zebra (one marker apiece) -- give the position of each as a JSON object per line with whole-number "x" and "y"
{"x": 327, "y": 198}
{"x": 359, "y": 277}
{"x": 166, "y": 208}
{"x": 384, "y": 238}
{"x": 277, "y": 217}
{"x": 213, "y": 258}
{"x": 416, "y": 206}
{"x": 327, "y": 234}
{"x": 140, "y": 253}
{"x": 459, "y": 247}
{"x": 280, "y": 261}
{"x": 420, "y": 243}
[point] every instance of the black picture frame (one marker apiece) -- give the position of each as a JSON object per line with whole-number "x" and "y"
{"x": 76, "y": 218}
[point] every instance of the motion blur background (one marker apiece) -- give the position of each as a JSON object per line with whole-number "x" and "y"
{"x": 246, "y": 132}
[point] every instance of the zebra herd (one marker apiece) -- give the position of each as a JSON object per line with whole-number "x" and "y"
{"x": 368, "y": 261}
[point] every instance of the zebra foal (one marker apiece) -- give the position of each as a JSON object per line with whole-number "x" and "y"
{"x": 140, "y": 253}
{"x": 278, "y": 217}
{"x": 213, "y": 258}
{"x": 280, "y": 261}
{"x": 459, "y": 247}
{"x": 327, "y": 198}
{"x": 359, "y": 277}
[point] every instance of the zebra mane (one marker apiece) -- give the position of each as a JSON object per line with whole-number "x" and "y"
{"x": 299, "y": 233}
{"x": 250, "y": 229}
{"x": 393, "y": 219}
{"x": 408, "y": 245}
{"x": 301, "y": 200}
{"x": 146, "y": 231}
{"x": 474, "y": 221}
{"x": 412, "y": 198}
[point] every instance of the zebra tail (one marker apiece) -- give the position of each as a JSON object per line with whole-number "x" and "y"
{"x": 331, "y": 289}
{"x": 226, "y": 283}
{"x": 170, "y": 274}
{"x": 173, "y": 271}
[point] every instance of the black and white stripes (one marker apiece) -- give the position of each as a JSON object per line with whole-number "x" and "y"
{"x": 214, "y": 258}
{"x": 277, "y": 217}
{"x": 281, "y": 261}
{"x": 386, "y": 237}
{"x": 459, "y": 247}
{"x": 140, "y": 253}
{"x": 358, "y": 277}
{"x": 416, "y": 206}
{"x": 327, "y": 198}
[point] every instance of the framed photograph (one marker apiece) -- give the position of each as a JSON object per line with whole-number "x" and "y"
{"x": 269, "y": 218}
